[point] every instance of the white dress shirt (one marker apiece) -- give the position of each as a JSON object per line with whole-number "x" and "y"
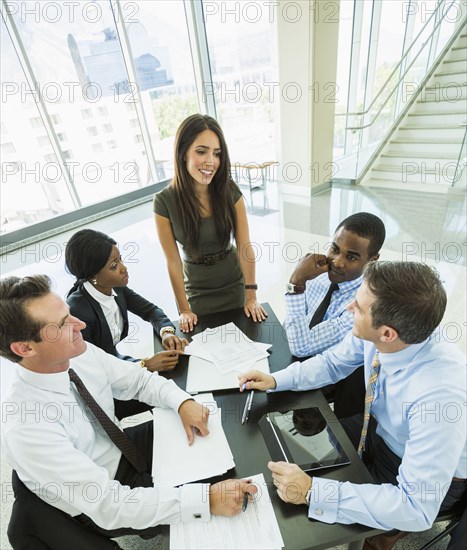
{"x": 69, "y": 461}
{"x": 420, "y": 406}
{"x": 110, "y": 309}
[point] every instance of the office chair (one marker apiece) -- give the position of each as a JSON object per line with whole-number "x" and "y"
{"x": 36, "y": 525}
{"x": 457, "y": 517}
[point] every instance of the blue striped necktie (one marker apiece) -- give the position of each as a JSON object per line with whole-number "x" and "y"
{"x": 370, "y": 393}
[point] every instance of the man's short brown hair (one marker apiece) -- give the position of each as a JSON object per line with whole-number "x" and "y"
{"x": 16, "y": 325}
{"x": 410, "y": 298}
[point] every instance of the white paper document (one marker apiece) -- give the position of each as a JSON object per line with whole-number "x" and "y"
{"x": 219, "y": 355}
{"x": 175, "y": 462}
{"x": 203, "y": 375}
{"x": 254, "y": 529}
{"x": 227, "y": 347}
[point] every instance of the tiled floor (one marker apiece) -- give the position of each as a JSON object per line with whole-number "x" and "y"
{"x": 423, "y": 227}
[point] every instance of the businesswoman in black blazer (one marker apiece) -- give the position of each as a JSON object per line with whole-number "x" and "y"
{"x": 101, "y": 298}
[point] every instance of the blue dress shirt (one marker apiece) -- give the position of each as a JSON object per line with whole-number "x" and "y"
{"x": 420, "y": 406}
{"x": 337, "y": 321}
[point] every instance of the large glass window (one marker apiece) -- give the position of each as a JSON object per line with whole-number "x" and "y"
{"x": 32, "y": 186}
{"x": 114, "y": 120}
{"x": 394, "y": 44}
{"x": 343, "y": 73}
{"x": 164, "y": 73}
{"x": 392, "y": 27}
{"x": 241, "y": 40}
{"x": 76, "y": 57}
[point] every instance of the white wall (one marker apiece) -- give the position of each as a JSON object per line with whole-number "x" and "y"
{"x": 307, "y": 35}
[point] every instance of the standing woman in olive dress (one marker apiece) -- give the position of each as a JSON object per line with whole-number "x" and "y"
{"x": 203, "y": 209}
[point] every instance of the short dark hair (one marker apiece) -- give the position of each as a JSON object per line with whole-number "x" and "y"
{"x": 410, "y": 298}
{"x": 368, "y": 226}
{"x": 86, "y": 253}
{"x": 16, "y": 325}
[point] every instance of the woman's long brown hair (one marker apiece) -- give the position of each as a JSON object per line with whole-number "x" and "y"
{"x": 220, "y": 189}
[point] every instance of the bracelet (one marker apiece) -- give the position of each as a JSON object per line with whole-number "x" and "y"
{"x": 142, "y": 363}
{"x": 164, "y": 330}
{"x": 251, "y": 287}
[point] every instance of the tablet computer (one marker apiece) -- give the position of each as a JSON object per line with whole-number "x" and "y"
{"x": 303, "y": 437}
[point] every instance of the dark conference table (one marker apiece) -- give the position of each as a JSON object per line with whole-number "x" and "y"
{"x": 249, "y": 449}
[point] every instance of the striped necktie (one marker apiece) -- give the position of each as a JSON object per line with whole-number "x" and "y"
{"x": 370, "y": 393}
{"x": 117, "y": 436}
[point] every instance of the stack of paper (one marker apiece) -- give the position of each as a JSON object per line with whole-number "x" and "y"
{"x": 219, "y": 355}
{"x": 254, "y": 529}
{"x": 175, "y": 462}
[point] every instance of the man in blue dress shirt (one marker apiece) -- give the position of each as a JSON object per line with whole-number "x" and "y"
{"x": 415, "y": 445}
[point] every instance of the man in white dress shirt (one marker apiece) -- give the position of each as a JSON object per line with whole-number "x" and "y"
{"x": 57, "y": 447}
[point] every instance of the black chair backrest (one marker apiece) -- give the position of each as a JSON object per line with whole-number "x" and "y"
{"x": 36, "y": 525}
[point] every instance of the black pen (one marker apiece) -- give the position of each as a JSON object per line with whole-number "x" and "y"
{"x": 246, "y": 410}
{"x": 245, "y": 501}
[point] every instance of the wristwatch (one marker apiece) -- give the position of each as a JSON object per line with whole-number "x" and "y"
{"x": 290, "y": 288}
{"x": 167, "y": 329}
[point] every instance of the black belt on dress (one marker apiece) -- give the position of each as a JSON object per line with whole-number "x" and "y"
{"x": 211, "y": 259}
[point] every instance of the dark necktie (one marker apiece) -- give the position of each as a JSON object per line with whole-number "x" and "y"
{"x": 323, "y": 306}
{"x": 117, "y": 436}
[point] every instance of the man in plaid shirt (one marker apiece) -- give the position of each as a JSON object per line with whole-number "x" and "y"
{"x": 321, "y": 286}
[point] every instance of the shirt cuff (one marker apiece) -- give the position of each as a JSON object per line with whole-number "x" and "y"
{"x": 324, "y": 500}
{"x": 176, "y": 397}
{"x": 284, "y": 380}
{"x": 194, "y": 502}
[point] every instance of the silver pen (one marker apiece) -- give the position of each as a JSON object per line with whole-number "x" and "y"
{"x": 246, "y": 410}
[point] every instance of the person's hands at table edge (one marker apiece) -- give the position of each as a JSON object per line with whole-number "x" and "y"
{"x": 255, "y": 310}
{"x": 226, "y": 497}
{"x": 187, "y": 320}
{"x": 291, "y": 481}
{"x": 194, "y": 419}
{"x": 162, "y": 361}
{"x": 172, "y": 341}
{"x": 256, "y": 380}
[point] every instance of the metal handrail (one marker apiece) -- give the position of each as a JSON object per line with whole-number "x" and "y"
{"x": 400, "y": 63}
{"x": 401, "y": 115}
{"x": 448, "y": 45}
{"x": 460, "y": 166}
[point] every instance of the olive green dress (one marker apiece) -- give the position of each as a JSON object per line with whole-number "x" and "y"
{"x": 209, "y": 288}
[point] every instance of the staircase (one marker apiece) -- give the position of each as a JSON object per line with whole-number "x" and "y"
{"x": 423, "y": 152}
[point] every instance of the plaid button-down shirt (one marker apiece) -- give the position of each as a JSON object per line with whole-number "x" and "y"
{"x": 337, "y": 321}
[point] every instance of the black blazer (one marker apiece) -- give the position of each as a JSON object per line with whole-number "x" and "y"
{"x": 97, "y": 331}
